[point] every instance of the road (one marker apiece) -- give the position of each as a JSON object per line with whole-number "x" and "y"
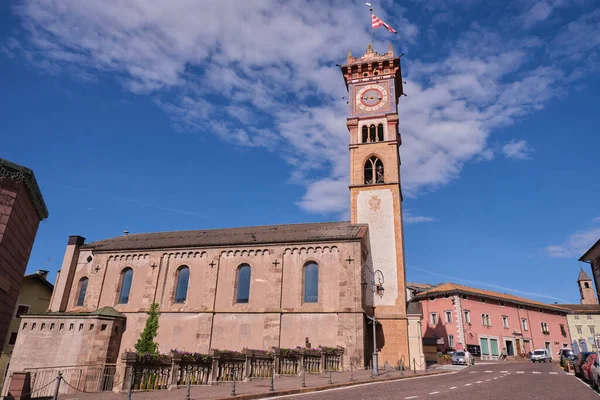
{"x": 498, "y": 381}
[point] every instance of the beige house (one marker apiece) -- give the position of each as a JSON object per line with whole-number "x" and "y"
{"x": 584, "y": 318}
{"x": 34, "y": 297}
{"x": 254, "y": 287}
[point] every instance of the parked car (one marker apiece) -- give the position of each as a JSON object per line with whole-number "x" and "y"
{"x": 565, "y": 353}
{"x": 462, "y": 358}
{"x": 596, "y": 373}
{"x": 541, "y": 355}
{"x": 579, "y": 361}
{"x": 587, "y": 367}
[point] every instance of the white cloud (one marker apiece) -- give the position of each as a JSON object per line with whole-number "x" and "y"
{"x": 596, "y": 220}
{"x": 410, "y": 218}
{"x": 271, "y": 65}
{"x": 575, "y": 245}
{"x": 517, "y": 149}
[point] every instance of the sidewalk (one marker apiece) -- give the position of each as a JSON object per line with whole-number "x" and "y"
{"x": 259, "y": 388}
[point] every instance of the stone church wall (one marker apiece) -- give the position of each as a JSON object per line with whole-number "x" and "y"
{"x": 275, "y": 315}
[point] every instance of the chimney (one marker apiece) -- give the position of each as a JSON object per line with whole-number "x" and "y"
{"x": 42, "y": 273}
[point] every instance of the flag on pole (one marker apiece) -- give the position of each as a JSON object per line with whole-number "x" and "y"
{"x": 376, "y": 23}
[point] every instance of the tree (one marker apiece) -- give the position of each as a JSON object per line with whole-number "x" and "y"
{"x": 145, "y": 343}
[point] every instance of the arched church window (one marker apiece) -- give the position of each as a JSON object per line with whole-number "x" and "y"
{"x": 372, "y": 133}
{"x": 83, "y": 284}
{"x": 586, "y": 285}
{"x": 311, "y": 283}
{"x": 183, "y": 278}
{"x": 243, "y": 284}
{"x": 380, "y": 133}
{"x": 374, "y": 171}
{"x": 126, "y": 279}
{"x": 365, "y": 134}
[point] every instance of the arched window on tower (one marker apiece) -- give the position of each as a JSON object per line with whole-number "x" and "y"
{"x": 586, "y": 285}
{"x": 365, "y": 134}
{"x": 380, "y": 133}
{"x": 126, "y": 278}
{"x": 243, "y": 284}
{"x": 372, "y": 133}
{"x": 374, "y": 171}
{"x": 311, "y": 283}
{"x": 83, "y": 284}
{"x": 183, "y": 278}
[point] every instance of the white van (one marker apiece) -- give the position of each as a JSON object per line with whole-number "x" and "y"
{"x": 541, "y": 355}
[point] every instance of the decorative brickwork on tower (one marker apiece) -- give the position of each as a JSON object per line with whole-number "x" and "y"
{"x": 21, "y": 210}
{"x": 374, "y": 83}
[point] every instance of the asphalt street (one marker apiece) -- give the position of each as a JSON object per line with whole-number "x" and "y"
{"x": 493, "y": 381}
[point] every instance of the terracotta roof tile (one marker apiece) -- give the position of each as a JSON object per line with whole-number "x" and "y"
{"x": 254, "y": 235}
{"x": 583, "y": 308}
{"x": 448, "y": 288}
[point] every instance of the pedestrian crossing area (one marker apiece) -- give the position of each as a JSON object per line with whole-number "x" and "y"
{"x": 517, "y": 372}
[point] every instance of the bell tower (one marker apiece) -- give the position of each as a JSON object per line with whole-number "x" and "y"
{"x": 586, "y": 288}
{"x": 374, "y": 83}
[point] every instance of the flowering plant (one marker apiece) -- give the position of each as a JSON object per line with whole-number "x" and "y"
{"x": 229, "y": 353}
{"x": 194, "y": 357}
{"x": 152, "y": 358}
{"x": 258, "y": 352}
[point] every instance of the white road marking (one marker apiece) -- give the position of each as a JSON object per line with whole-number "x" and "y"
{"x": 504, "y": 372}
{"x": 287, "y": 396}
{"x": 468, "y": 384}
{"x": 453, "y": 387}
{"x": 520, "y": 372}
{"x": 410, "y": 397}
{"x": 553, "y": 373}
{"x": 537, "y": 372}
{"x": 434, "y": 393}
{"x": 488, "y": 372}
{"x": 478, "y": 382}
{"x": 473, "y": 372}
{"x": 496, "y": 378}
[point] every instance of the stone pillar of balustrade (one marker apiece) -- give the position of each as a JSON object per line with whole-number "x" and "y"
{"x": 125, "y": 369}
{"x": 175, "y": 367}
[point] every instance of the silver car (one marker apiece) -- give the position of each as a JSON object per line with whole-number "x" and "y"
{"x": 462, "y": 358}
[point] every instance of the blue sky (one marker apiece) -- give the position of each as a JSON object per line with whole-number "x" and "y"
{"x": 157, "y": 116}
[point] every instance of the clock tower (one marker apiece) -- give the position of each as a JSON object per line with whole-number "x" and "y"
{"x": 374, "y": 83}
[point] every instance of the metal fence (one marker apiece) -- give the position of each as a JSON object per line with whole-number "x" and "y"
{"x": 87, "y": 378}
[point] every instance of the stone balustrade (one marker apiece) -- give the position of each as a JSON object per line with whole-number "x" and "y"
{"x": 155, "y": 372}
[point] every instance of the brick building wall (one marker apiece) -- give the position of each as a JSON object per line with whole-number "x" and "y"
{"x": 21, "y": 210}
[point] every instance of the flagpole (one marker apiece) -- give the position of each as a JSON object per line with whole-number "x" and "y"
{"x": 371, "y": 10}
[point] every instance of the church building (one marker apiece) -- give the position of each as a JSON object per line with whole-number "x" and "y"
{"x": 314, "y": 284}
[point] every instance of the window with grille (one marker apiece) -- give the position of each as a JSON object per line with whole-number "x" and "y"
{"x": 433, "y": 318}
{"x": 448, "y": 316}
{"x": 12, "y": 339}
{"x": 22, "y": 309}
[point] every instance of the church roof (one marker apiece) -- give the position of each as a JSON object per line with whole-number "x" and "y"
{"x": 583, "y": 276}
{"x": 269, "y": 234}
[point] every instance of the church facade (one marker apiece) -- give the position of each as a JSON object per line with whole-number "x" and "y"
{"x": 313, "y": 284}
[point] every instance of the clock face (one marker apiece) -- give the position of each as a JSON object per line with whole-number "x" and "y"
{"x": 371, "y": 97}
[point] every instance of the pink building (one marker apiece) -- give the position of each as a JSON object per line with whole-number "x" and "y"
{"x": 485, "y": 322}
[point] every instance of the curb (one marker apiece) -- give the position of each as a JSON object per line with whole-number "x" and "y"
{"x": 326, "y": 387}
